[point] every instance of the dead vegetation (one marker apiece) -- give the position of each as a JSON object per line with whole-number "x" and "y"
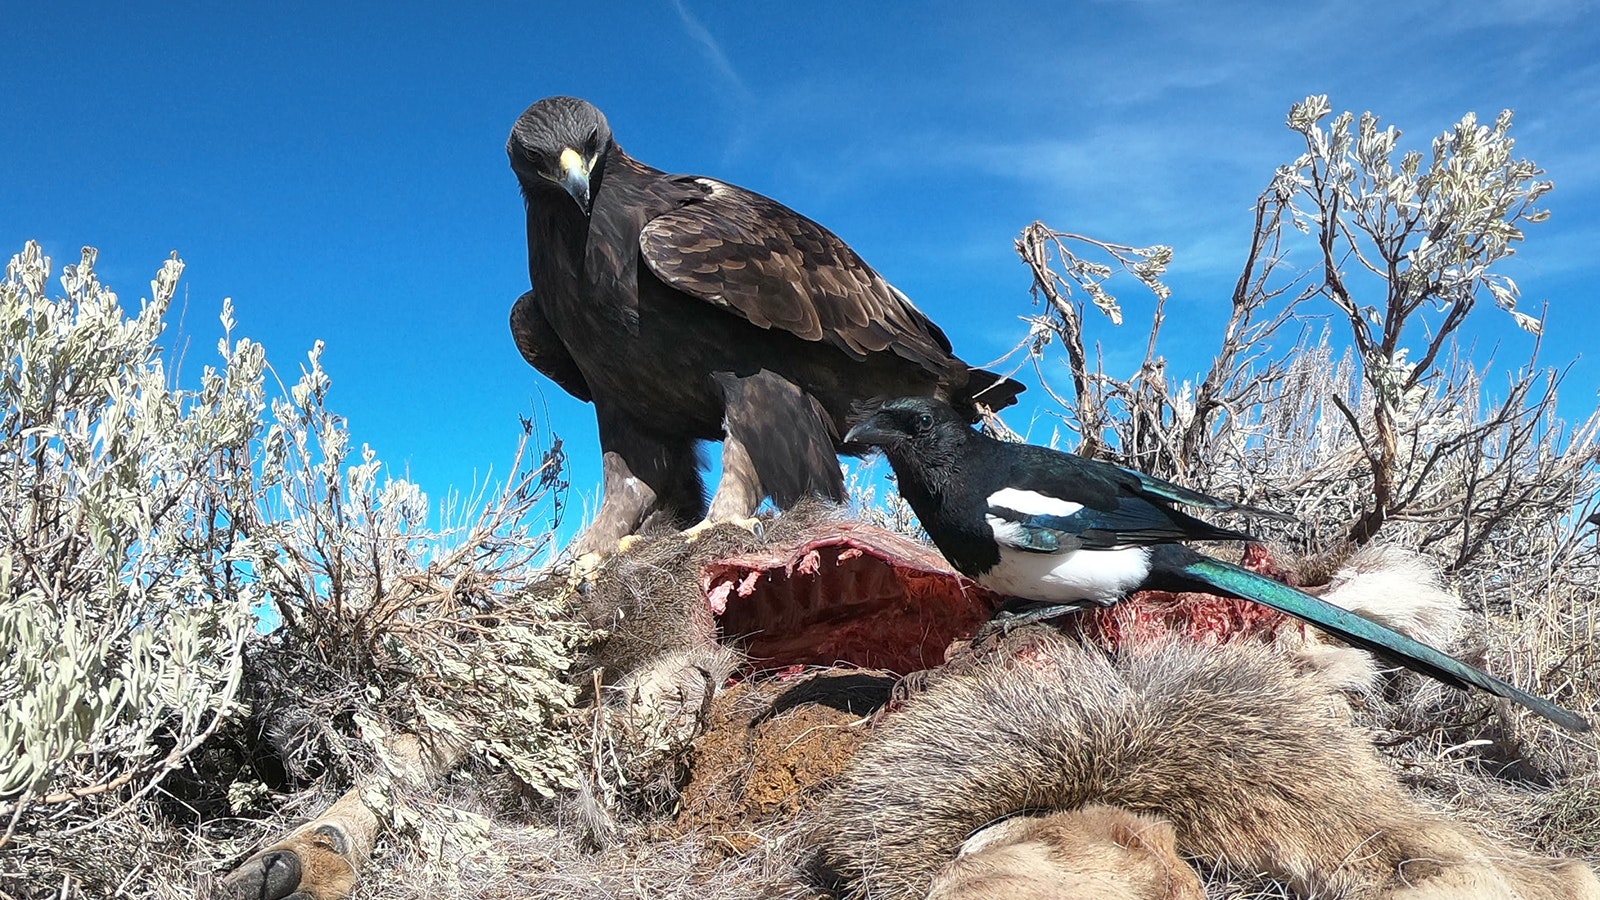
{"x": 1338, "y": 391}
{"x": 610, "y": 758}
{"x": 734, "y": 806}
{"x": 146, "y": 525}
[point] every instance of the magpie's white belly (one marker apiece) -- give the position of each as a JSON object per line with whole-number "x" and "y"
{"x": 1100, "y": 575}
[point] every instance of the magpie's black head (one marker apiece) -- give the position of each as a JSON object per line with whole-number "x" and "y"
{"x": 913, "y": 429}
{"x": 560, "y": 143}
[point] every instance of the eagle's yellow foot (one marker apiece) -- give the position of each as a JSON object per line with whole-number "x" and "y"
{"x": 748, "y": 523}
{"x": 585, "y": 568}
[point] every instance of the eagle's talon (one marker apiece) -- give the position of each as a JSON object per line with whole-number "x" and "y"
{"x": 805, "y": 330}
{"x": 696, "y": 531}
{"x": 585, "y": 569}
{"x": 628, "y": 542}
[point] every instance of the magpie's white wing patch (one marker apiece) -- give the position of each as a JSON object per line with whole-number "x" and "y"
{"x": 1031, "y": 521}
{"x": 1032, "y": 503}
{"x": 1013, "y": 534}
{"x": 1100, "y": 575}
{"x": 1067, "y": 574}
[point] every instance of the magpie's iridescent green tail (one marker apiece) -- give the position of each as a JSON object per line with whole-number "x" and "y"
{"x": 1054, "y": 528}
{"x": 1368, "y": 634}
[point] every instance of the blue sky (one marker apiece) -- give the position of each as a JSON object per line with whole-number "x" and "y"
{"x": 340, "y": 172}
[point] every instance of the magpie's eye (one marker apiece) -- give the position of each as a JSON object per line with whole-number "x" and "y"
{"x": 925, "y": 421}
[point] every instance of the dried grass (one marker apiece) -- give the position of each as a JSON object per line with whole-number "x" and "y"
{"x": 1510, "y": 774}
{"x": 1531, "y": 785}
{"x": 1496, "y": 491}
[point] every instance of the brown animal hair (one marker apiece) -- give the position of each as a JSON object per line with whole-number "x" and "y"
{"x": 1253, "y": 762}
{"x": 1093, "y": 851}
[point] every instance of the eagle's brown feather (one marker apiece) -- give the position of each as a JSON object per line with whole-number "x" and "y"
{"x": 689, "y": 310}
{"x": 755, "y": 257}
{"x": 543, "y": 349}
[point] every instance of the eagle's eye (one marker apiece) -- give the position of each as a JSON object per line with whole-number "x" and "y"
{"x": 925, "y": 421}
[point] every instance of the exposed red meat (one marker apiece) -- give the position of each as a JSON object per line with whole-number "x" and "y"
{"x": 856, "y": 594}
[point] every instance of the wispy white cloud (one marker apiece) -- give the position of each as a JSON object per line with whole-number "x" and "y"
{"x": 711, "y": 49}
{"x": 1490, "y": 13}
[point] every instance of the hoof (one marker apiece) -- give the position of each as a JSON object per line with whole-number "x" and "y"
{"x": 273, "y": 875}
{"x": 309, "y": 865}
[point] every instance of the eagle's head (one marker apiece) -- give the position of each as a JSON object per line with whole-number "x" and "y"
{"x": 560, "y": 142}
{"x": 919, "y": 431}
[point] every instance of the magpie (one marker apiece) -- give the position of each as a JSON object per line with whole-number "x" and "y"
{"x": 1063, "y": 531}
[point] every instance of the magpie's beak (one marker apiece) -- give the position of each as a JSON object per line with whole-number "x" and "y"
{"x": 873, "y": 432}
{"x": 575, "y": 178}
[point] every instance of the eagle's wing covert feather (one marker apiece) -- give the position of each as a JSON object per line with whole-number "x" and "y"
{"x": 756, "y": 257}
{"x": 543, "y": 348}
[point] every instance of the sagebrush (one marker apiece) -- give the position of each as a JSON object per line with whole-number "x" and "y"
{"x": 150, "y": 532}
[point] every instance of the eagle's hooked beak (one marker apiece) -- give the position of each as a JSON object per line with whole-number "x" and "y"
{"x": 575, "y": 177}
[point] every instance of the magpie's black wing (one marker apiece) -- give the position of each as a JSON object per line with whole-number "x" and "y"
{"x": 1054, "y": 502}
{"x": 1153, "y": 486}
{"x": 1132, "y": 522}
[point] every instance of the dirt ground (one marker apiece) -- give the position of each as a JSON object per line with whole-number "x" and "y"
{"x": 771, "y": 746}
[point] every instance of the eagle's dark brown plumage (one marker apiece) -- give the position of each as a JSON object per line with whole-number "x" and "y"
{"x": 687, "y": 309}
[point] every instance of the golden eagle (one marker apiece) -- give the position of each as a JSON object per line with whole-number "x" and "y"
{"x": 688, "y": 309}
